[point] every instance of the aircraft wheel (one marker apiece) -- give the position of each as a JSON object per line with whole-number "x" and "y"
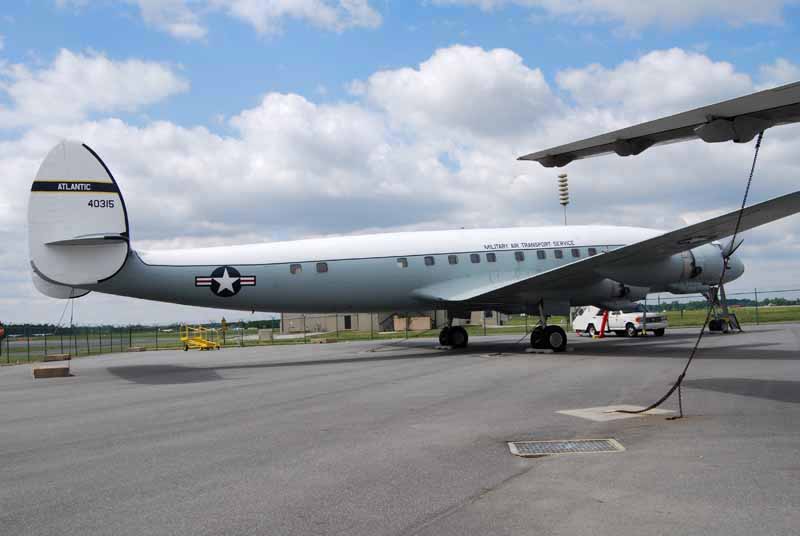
{"x": 185, "y": 347}
{"x": 659, "y": 332}
{"x": 537, "y": 338}
{"x": 444, "y": 337}
{"x": 556, "y": 338}
{"x": 631, "y": 331}
{"x": 592, "y": 330}
{"x": 459, "y": 338}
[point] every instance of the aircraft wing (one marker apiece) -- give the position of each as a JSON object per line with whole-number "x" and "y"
{"x": 739, "y": 120}
{"x": 586, "y": 270}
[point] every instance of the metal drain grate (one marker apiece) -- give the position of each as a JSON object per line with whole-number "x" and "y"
{"x": 573, "y": 446}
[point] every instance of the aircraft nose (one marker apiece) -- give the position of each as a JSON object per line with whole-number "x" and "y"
{"x": 735, "y": 268}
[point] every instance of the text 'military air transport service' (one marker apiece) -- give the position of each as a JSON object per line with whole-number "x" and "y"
{"x": 79, "y": 239}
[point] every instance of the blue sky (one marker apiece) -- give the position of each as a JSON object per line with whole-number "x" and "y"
{"x": 259, "y": 121}
{"x": 234, "y": 65}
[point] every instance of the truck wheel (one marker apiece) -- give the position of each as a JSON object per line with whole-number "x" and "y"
{"x": 631, "y": 331}
{"x": 591, "y": 329}
{"x": 658, "y": 332}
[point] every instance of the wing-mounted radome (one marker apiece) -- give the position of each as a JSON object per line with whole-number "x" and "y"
{"x": 77, "y": 223}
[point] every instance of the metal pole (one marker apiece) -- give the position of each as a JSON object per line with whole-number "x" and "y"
{"x": 756, "y": 293}
{"x": 100, "y": 338}
{"x": 87, "y": 342}
{"x": 130, "y": 336}
{"x": 157, "y": 338}
{"x": 484, "y": 323}
{"x": 28, "y": 338}
{"x": 61, "y": 334}
{"x": 304, "y": 329}
{"x": 337, "y": 325}
{"x": 371, "y": 324}
{"x": 45, "y": 344}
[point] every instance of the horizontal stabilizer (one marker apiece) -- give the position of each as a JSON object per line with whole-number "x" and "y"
{"x": 99, "y": 239}
{"x": 738, "y": 120}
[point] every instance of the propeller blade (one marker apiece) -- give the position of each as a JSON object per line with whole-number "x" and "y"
{"x": 731, "y": 248}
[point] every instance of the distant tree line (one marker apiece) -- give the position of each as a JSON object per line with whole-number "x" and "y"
{"x": 695, "y": 305}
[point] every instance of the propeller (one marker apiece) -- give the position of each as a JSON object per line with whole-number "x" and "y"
{"x": 731, "y": 248}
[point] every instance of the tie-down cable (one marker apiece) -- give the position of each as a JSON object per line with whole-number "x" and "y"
{"x": 726, "y": 254}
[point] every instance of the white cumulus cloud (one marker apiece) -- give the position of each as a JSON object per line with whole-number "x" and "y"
{"x": 77, "y": 84}
{"x": 425, "y": 146}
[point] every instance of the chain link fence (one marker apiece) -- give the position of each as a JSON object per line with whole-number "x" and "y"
{"x": 26, "y": 343}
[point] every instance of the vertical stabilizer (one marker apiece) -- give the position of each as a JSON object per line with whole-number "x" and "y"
{"x": 77, "y": 222}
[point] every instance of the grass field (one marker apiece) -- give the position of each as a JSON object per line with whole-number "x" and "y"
{"x": 22, "y": 350}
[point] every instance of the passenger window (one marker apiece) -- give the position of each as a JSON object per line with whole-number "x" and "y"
{"x": 576, "y": 253}
{"x": 296, "y": 268}
{"x": 475, "y": 258}
{"x": 592, "y": 252}
{"x": 430, "y": 261}
{"x": 519, "y": 255}
{"x": 491, "y": 257}
{"x": 558, "y": 253}
{"x": 541, "y": 254}
{"x": 322, "y": 267}
{"x": 452, "y": 259}
{"x": 402, "y": 262}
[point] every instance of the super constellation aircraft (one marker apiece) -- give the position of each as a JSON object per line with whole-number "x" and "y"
{"x": 79, "y": 241}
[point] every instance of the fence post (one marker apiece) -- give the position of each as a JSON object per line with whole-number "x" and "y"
{"x": 88, "y": 348}
{"x": 130, "y": 336}
{"x": 304, "y": 329}
{"x": 61, "y": 335}
{"x": 8, "y": 352}
{"x": 28, "y": 338}
{"x": 756, "y": 293}
{"x": 371, "y": 325}
{"x": 337, "y": 326}
{"x": 74, "y": 341}
{"x": 484, "y": 322}
{"x": 157, "y": 337}
{"x": 45, "y": 344}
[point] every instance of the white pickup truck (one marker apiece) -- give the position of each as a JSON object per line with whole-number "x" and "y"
{"x": 589, "y": 319}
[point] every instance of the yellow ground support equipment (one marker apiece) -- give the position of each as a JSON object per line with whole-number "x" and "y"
{"x": 199, "y": 337}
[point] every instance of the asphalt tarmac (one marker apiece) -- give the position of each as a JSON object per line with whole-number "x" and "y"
{"x": 371, "y": 438}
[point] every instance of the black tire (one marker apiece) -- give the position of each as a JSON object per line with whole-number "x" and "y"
{"x": 715, "y": 325}
{"x": 631, "y": 331}
{"x": 659, "y": 332}
{"x": 185, "y": 347}
{"x": 537, "y": 338}
{"x": 556, "y": 338}
{"x": 591, "y": 330}
{"x": 619, "y": 332}
{"x": 459, "y": 338}
{"x": 444, "y": 337}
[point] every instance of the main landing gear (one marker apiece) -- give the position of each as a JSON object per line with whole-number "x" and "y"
{"x": 722, "y": 321}
{"x": 453, "y": 336}
{"x": 548, "y": 337}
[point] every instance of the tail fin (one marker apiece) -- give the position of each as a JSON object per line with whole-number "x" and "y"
{"x": 77, "y": 222}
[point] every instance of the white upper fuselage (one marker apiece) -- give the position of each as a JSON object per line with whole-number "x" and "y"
{"x": 408, "y": 244}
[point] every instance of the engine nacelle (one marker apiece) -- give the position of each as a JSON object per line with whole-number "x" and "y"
{"x": 610, "y": 294}
{"x": 691, "y": 269}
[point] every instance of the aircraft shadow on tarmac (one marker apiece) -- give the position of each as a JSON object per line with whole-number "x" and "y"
{"x": 173, "y": 374}
{"x": 672, "y": 346}
{"x": 779, "y": 390}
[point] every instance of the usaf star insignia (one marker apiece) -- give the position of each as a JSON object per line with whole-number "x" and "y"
{"x": 225, "y": 281}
